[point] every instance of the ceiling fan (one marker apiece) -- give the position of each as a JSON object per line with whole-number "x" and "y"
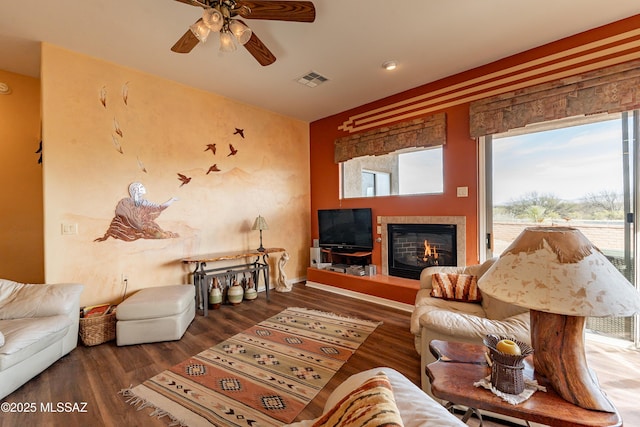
{"x": 218, "y": 16}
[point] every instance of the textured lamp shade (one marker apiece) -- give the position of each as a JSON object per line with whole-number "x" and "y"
{"x": 260, "y": 224}
{"x": 558, "y": 270}
{"x": 561, "y": 277}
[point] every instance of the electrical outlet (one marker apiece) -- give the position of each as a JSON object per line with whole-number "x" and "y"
{"x": 69, "y": 229}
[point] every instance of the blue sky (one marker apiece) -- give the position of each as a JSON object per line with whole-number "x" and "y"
{"x": 568, "y": 163}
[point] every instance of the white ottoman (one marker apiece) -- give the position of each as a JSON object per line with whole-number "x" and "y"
{"x": 155, "y": 314}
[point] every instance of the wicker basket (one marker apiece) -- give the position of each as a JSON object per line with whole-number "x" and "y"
{"x": 98, "y": 329}
{"x": 507, "y": 369}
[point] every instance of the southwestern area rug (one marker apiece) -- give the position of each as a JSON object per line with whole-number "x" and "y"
{"x": 263, "y": 376}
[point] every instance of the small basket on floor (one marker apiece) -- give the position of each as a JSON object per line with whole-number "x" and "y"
{"x": 97, "y": 329}
{"x": 507, "y": 370}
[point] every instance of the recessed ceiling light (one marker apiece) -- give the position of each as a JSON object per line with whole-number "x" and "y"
{"x": 390, "y": 65}
{"x": 4, "y": 89}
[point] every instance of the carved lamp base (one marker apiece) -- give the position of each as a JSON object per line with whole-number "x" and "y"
{"x": 559, "y": 355}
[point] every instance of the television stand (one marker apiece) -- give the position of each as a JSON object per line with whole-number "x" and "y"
{"x": 347, "y": 257}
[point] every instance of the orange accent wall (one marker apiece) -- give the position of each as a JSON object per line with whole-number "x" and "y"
{"x": 21, "y": 216}
{"x": 610, "y": 43}
{"x": 460, "y": 166}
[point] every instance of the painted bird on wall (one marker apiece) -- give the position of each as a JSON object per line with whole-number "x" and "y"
{"x": 39, "y": 151}
{"x": 239, "y": 132}
{"x": 184, "y": 179}
{"x": 211, "y": 147}
{"x": 233, "y": 151}
{"x": 213, "y": 168}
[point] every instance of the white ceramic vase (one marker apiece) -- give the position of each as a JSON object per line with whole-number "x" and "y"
{"x": 235, "y": 293}
{"x": 250, "y": 292}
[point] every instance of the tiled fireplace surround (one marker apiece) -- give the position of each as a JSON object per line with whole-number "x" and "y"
{"x": 458, "y": 221}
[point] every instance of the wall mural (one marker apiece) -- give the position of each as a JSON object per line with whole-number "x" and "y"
{"x": 117, "y": 137}
{"x": 39, "y": 151}
{"x": 135, "y": 218}
{"x": 184, "y": 179}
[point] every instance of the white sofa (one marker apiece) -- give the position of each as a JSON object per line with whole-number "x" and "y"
{"x": 440, "y": 319}
{"x": 38, "y": 325}
{"x": 415, "y": 408}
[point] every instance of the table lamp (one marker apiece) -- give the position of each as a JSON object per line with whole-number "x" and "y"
{"x": 260, "y": 224}
{"x": 562, "y": 278}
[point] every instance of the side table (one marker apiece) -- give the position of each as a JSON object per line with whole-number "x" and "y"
{"x": 459, "y": 365}
{"x": 201, "y": 273}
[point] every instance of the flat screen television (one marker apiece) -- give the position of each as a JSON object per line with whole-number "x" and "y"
{"x": 346, "y": 229}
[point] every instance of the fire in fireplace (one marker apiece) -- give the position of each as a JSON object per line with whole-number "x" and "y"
{"x": 430, "y": 255}
{"x": 413, "y": 247}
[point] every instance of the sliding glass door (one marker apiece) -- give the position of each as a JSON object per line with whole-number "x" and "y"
{"x": 574, "y": 172}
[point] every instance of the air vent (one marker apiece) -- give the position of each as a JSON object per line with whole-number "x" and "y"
{"x": 312, "y": 79}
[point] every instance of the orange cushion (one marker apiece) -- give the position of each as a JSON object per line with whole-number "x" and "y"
{"x": 456, "y": 287}
{"x": 372, "y": 404}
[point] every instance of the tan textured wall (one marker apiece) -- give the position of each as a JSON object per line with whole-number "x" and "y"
{"x": 165, "y": 128}
{"x": 21, "y": 234}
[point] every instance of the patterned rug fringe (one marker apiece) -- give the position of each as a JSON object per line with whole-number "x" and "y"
{"x": 132, "y": 399}
{"x": 333, "y": 315}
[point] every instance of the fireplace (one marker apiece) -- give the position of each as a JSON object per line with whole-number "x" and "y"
{"x": 413, "y": 247}
{"x": 455, "y": 226}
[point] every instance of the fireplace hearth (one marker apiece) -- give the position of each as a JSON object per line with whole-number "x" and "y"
{"x": 413, "y": 247}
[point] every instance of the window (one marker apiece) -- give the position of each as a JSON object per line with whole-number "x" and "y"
{"x": 579, "y": 172}
{"x": 405, "y": 172}
{"x": 375, "y": 184}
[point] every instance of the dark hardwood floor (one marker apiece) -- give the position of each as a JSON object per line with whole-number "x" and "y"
{"x": 95, "y": 375}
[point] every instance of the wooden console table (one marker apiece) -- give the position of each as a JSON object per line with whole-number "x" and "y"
{"x": 459, "y": 365}
{"x": 201, "y": 275}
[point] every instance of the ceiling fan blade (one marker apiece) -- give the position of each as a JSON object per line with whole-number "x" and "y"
{"x": 298, "y": 11}
{"x": 186, "y": 43}
{"x": 259, "y": 51}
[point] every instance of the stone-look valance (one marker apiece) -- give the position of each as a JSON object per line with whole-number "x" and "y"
{"x": 608, "y": 90}
{"x": 428, "y": 131}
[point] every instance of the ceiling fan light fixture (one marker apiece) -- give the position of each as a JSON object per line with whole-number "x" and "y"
{"x": 226, "y": 42}
{"x": 213, "y": 18}
{"x": 200, "y": 30}
{"x": 241, "y": 31}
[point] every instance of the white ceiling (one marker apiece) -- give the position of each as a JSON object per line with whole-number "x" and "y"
{"x": 347, "y": 43}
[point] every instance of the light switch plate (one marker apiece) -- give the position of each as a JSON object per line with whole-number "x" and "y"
{"x": 463, "y": 192}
